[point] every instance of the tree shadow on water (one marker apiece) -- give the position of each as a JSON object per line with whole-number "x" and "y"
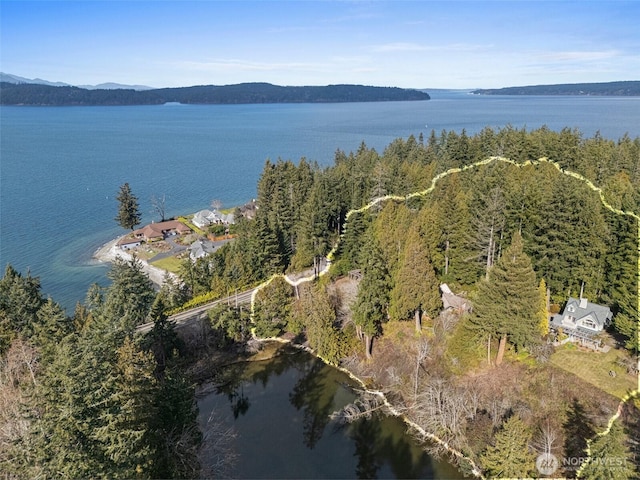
{"x": 313, "y": 394}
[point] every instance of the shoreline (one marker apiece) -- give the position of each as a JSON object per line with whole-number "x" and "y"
{"x": 108, "y": 253}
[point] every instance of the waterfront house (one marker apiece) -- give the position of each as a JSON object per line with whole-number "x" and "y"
{"x": 158, "y": 231}
{"x": 128, "y": 242}
{"x": 204, "y": 218}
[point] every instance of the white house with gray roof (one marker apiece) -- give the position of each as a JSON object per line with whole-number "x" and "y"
{"x": 581, "y": 314}
{"x": 204, "y": 218}
{"x": 582, "y": 320}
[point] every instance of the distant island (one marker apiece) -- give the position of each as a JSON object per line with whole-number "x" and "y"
{"x": 244, "y": 93}
{"x": 619, "y": 89}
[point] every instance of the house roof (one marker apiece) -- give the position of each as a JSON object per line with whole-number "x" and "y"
{"x": 128, "y": 240}
{"x": 200, "y": 248}
{"x": 581, "y": 307}
{"x": 451, "y": 300}
{"x": 205, "y": 217}
{"x": 158, "y": 230}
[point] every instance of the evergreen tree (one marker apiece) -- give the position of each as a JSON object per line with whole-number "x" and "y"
{"x": 315, "y": 315}
{"x": 53, "y": 325}
{"x": 129, "y": 297}
{"x": 128, "y": 208}
{"x": 233, "y": 322}
{"x": 543, "y": 310}
{"x": 489, "y": 226}
{"x": 20, "y": 300}
{"x": 509, "y": 456}
{"x": 507, "y": 303}
{"x": 272, "y": 308}
{"x": 610, "y": 457}
{"x": 63, "y": 446}
{"x": 571, "y": 241}
{"x": 269, "y": 257}
{"x": 455, "y": 232}
{"x": 622, "y": 278}
{"x": 416, "y": 287}
{"x": 371, "y": 304}
{"x": 391, "y": 226}
{"x": 176, "y": 437}
{"x": 124, "y": 418}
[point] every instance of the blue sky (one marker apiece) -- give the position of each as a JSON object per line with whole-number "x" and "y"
{"x": 413, "y": 44}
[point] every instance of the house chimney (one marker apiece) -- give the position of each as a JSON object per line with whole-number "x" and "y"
{"x": 581, "y": 290}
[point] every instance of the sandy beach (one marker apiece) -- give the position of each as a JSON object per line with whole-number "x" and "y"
{"x": 110, "y": 251}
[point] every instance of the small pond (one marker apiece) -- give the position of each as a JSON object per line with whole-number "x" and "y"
{"x": 279, "y": 410}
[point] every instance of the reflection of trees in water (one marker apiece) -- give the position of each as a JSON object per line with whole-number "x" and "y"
{"x": 231, "y": 383}
{"x": 232, "y": 378}
{"x": 286, "y": 359}
{"x": 314, "y": 393}
{"x": 380, "y": 441}
{"x": 405, "y": 458}
{"x": 239, "y": 402}
{"x": 377, "y": 445}
{"x": 364, "y": 434}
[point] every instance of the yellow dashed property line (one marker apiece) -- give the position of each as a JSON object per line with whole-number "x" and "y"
{"x": 422, "y": 193}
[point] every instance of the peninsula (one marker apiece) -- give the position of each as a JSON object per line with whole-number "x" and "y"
{"x": 616, "y": 89}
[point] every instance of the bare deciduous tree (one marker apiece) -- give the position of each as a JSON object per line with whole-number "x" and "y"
{"x": 423, "y": 347}
{"x": 217, "y": 455}
{"x": 158, "y": 204}
{"x": 361, "y": 407}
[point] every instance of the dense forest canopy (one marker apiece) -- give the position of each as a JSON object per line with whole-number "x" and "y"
{"x": 35, "y": 94}
{"x": 501, "y": 232}
{"x": 624, "y": 89}
{"x": 463, "y": 226}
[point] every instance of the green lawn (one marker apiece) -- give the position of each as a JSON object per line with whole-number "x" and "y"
{"x": 171, "y": 264}
{"x": 594, "y": 368}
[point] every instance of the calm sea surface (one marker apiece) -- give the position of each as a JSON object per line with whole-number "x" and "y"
{"x": 61, "y": 167}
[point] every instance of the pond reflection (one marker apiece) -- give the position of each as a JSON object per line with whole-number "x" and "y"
{"x": 280, "y": 410}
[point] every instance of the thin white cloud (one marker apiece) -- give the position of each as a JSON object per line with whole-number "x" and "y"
{"x": 417, "y": 47}
{"x": 578, "y": 56}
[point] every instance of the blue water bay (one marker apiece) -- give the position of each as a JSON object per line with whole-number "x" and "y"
{"x": 61, "y": 167}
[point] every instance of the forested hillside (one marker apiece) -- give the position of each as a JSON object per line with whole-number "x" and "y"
{"x": 35, "y": 94}
{"x": 463, "y": 226}
{"x": 623, "y": 89}
{"x": 82, "y": 396}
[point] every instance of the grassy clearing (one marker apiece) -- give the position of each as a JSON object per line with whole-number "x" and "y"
{"x": 594, "y": 368}
{"x": 171, "y": 264}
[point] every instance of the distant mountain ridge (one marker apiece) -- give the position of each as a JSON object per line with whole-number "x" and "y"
{"x": 244, "y": 93}
{"x": 625, "y": 89}
{"x": 15, "y": 79}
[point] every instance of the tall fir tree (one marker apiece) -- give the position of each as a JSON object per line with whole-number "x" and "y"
{"x": 415, "y": 290}
{"x": 371, "y": 305}
{"x": 509, "y": 456}
{"x": 610, "y": 458}
{"x": 507, "y": 303}
{"x": 128, "y": 208}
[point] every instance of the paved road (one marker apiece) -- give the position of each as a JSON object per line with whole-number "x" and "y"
{"x": 197, "y": 313}
{"x": 241, "y": 298}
